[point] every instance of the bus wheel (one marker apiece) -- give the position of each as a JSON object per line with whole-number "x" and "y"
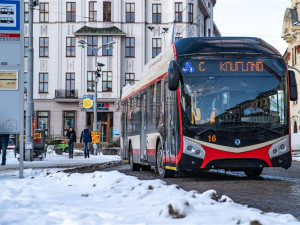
{"x": 133, "y": 166}
{"x": 253, "y": 172}
{"x": 164, "y": 173}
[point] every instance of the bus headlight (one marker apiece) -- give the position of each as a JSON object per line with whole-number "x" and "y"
{"x": 280, "y": 147}
{"x": 193, "y": 149}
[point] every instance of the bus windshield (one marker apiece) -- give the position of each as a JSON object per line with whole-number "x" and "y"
{"x": 233, "y": 96}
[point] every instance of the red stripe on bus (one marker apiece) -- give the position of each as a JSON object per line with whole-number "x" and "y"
{"x": 151, "y": 152}
{"x": 212, "y": 154}
{"x": 180, "y": 125}
{"x": 136, "y": 151}
{"x": 146, "y": 85}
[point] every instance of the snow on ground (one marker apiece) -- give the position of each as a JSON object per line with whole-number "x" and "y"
{"x": 296, "y": 157}
{"x": 51, "y": 197}
{"x": 53, "y": 160}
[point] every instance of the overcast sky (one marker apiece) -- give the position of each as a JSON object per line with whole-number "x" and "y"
{"x": 253, "y": 18}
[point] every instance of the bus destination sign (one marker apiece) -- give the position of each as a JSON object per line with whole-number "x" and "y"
{"x": 224, "y": 66}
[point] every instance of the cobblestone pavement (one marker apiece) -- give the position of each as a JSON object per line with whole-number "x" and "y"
{"x": 277, "y": 190}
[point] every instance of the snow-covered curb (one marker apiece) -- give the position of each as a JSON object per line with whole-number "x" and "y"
{"x": 296, "y": 157}
{"x": 50, "y": 197}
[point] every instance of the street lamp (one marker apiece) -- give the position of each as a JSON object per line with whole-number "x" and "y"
{"x": 98, "y": 66}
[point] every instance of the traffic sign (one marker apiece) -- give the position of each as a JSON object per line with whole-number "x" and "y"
{"x": 10, "y": 15}
{"x": 95, "y": 137}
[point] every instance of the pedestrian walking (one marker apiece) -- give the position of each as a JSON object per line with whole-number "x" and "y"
{"x": 71, "y": 135}
{"x": 86, "y": 138}
{"x": 4, "y": 138}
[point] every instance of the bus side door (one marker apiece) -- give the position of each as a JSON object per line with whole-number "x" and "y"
{"x": 143, "y": 144}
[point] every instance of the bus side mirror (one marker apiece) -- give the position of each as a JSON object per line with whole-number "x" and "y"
{"x": 293, "y": 86}
{"x": 174, "y": 75}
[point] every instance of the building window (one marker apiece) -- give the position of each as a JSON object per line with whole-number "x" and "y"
{"x": 130, "y": 47}
{"x": 43, "y": 83}
{"x": 90, "y": 81}
{"x": 106, "y": 81}
{"x": 106, "y": 11}
{"x": 44, "y": 47}
{"x": 43, "y": 121}
{"x": 71, "y": 11}
{"x": 129, "y": 78}
{"x": 92, "y": 42}
{"x": 70, "y": 84}
{"x": 26, "y": 45}
{"x": 190, "y": 13}
{"x": 25, "y": 82}
{"x": 69, "y": 121}
{"x": 26, "y": 12}
{"x": 107, "y": 51}
{"x": 92, "y": 11}
{"x": 178, "y": 12}
{"x": 44, "y": 12}
{"x": 70, "y": 47}
{"x": 156, "y": 47}
{"x": 156, "y": 13}
{"x": 130, "y": 7}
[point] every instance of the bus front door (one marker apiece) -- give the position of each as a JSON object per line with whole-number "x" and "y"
{"x": 170, "y": 148}
{"x": 143, "y": 143}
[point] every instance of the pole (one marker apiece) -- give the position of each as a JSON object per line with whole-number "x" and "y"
{"x": 95, "y": 101}
{"x": 29, "y": 103}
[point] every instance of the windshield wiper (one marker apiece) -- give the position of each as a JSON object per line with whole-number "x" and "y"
{"x": 273, "y": 131}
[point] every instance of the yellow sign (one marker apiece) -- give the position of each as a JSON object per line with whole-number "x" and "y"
{"x": 95, "y": 137}
{"x": 8, "y": 80}
{"x": 87, "y": 103}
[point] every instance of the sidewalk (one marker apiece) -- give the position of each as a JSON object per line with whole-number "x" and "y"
{"x": 58, "y": 161}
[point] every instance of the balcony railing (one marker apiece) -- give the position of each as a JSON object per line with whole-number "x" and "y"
{"x": 62, "y": 93}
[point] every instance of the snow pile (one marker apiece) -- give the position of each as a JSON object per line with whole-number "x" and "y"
{"x": 51, "y": 197}
{"x": 296, "y": 157}
{"x": 53, "y": 161}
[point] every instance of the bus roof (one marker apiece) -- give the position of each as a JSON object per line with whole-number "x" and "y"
{"x": 224, "y": 45}
{"x": 152, "y": 71}
{"x": 158, "y": 66}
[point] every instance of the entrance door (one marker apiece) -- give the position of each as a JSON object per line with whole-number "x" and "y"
{"x": 105, "y": 120}
{"x": 104, "y": 134}
{"x": 143, "y": 127}
{"x": 170, "y": 148}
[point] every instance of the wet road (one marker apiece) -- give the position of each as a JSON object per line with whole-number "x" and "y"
{"x": 277, "y": 190}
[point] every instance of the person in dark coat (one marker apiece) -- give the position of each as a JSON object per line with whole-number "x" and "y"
{"x": 71, "y": 135}
{"x": 86, "y": 138}
{"x": 4, "y": 138}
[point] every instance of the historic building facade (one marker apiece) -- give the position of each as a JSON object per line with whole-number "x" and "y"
{"x": 63, "y": 72}
{"x": 291, "y": 34}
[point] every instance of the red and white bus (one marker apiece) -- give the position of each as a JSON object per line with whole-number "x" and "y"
{"x": 210, "y": 103}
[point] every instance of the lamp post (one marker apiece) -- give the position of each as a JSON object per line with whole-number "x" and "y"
{"x": 97, "y": 76}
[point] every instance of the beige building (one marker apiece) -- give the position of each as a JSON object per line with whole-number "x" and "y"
{"x": 63, "y": 72}
{"x": 291, "y": 34}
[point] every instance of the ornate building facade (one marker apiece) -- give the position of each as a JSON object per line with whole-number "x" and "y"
{"x": 64, "y": 73}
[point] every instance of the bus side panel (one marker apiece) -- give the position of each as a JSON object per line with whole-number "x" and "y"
{"x": 151, "y": 147}
{"x": 135, "y": 145}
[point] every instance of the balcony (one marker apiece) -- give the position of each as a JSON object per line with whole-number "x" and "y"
{"x": 63, "y": 95}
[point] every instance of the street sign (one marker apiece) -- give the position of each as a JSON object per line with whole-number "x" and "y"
{"x": 11, "y": 66}
{"x": 87, "y": 101}
{"x": 10, "y": 15}
{"x": 95, "y": 137}
{"x": 9, "y": 80}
